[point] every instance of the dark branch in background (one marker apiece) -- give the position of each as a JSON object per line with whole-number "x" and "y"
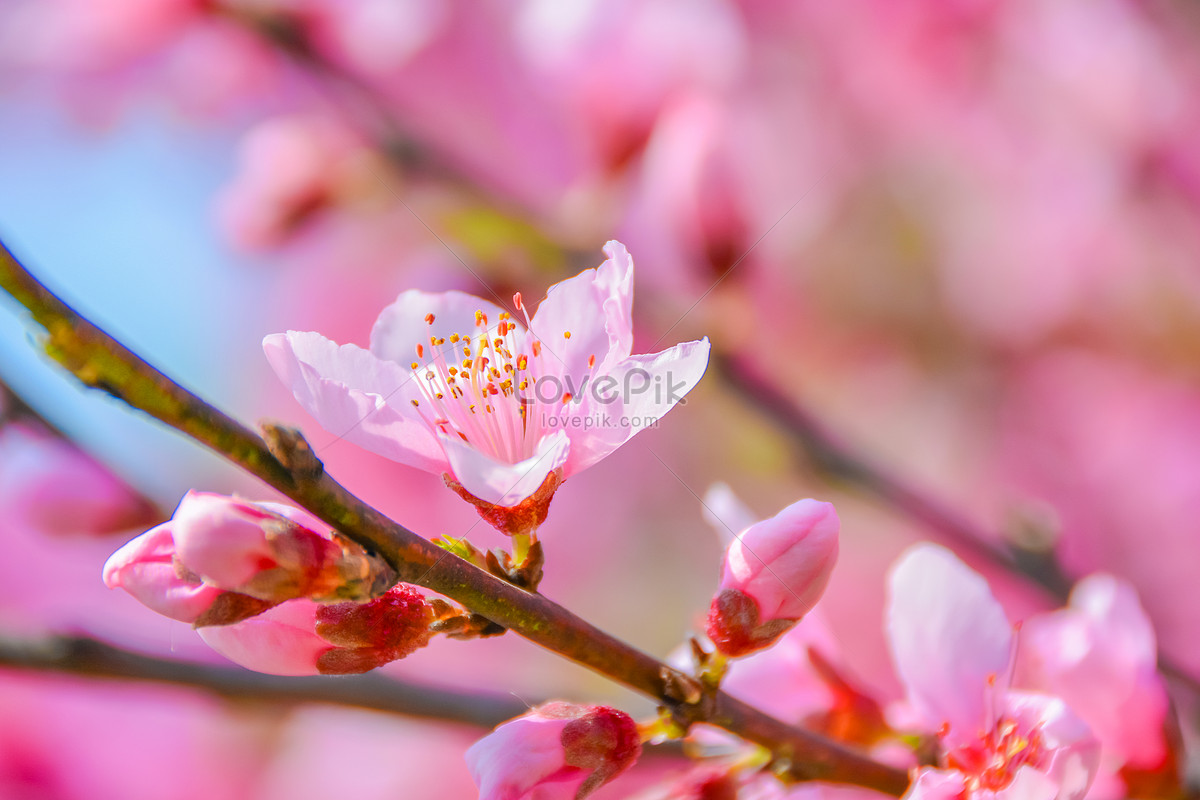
{"x": 818, "y": 446}
{"x": 14, "y": 408}
{"x": 102, "y": 362}
{"x": 80, "y": 656}
{"x": 288, "y": 34}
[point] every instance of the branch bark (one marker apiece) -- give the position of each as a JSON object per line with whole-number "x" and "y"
{"x": 101, "y": 362}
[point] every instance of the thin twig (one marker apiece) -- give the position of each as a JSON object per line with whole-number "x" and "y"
{"x": 101, "y": 362}
{"x": 81, "y": 656}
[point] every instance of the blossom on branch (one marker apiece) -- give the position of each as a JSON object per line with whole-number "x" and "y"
{"x": 505, "y": 406}
{"x": 953, "y": 648}
{"x": 558, "y": 751}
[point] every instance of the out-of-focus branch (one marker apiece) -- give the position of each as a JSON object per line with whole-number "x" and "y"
{"x": 838, "y": 462}
{"x": 359, "y": 100}
{"x": 14, "y": 408}
{"x": 289, "y": 465}
{"x": 835, "y": 461}
{"x": 81, "y": 656}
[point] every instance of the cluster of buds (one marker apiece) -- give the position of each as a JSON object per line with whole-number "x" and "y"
{"x": 272, "y": 588}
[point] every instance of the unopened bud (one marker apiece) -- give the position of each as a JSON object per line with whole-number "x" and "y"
{"x": 271, "y": 551}
{"x": 558, "y": 751}
{"x": 147, "y": 568}
{"x": 773, "y": 575}
{"x": 301, "y": 637}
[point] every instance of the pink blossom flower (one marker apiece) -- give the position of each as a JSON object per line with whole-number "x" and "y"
{"x": 301, "y": 637}
{"x": 558, "y": 751}
{"x": 452, "y": 384}
{"x": 773, "y": 574}
{"x": 1099, "y": 654}
{"x": 952, "y": 646}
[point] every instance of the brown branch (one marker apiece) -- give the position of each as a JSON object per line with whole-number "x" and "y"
{"x": 102, "y": 362}
{"x": 81, "y": 656}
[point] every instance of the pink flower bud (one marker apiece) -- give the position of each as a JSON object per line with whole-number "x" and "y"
{"x": 301, "y": 637}
{"x": 147, "y": 568}
{"x": 558, "y": 751}
{"x": 773, "y": 574}
{"x": 271, "y": 551}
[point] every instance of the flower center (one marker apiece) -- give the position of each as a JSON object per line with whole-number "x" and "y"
{"x": 480, "y": 386}
{"x": 991, "y": 762}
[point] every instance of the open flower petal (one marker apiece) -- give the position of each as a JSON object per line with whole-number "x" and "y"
{"x": 497, "y": 400}
{"x": 499, "y": 482}
{"x": 936, "y": 784}
{"x": 406, "y": 323}
{"x": 1072, "y": 753}
{"x": 635, "y": 394}
{"x": 594, "y": 307}
{"x": 356, "y": 396}
{"x": 947, "y": 636}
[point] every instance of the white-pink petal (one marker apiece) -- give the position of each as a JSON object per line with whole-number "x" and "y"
{"x": 614, "y": 283}
{"x": 1028, "y": 784}
{"x": 638, "y": 392}
{"x": 1099, "y": 655}
{"x": 356, "y": 396}
{"x": 947, "y": 636}
{"x": 145, "y": 568}
{"x": 1072, "y": 752}
{"x": 280, "y": 641}
{"x": 595, "y": 308}
{"x": 523, "y": 755}
{"x": 784, "y": 563}
{"x": 402, "y": 325}
{"x": 499, "y": 482}
{"x": 936, "y": 784}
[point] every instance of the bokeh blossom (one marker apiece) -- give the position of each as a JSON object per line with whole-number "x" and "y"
{"x": 953, "y": 649}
